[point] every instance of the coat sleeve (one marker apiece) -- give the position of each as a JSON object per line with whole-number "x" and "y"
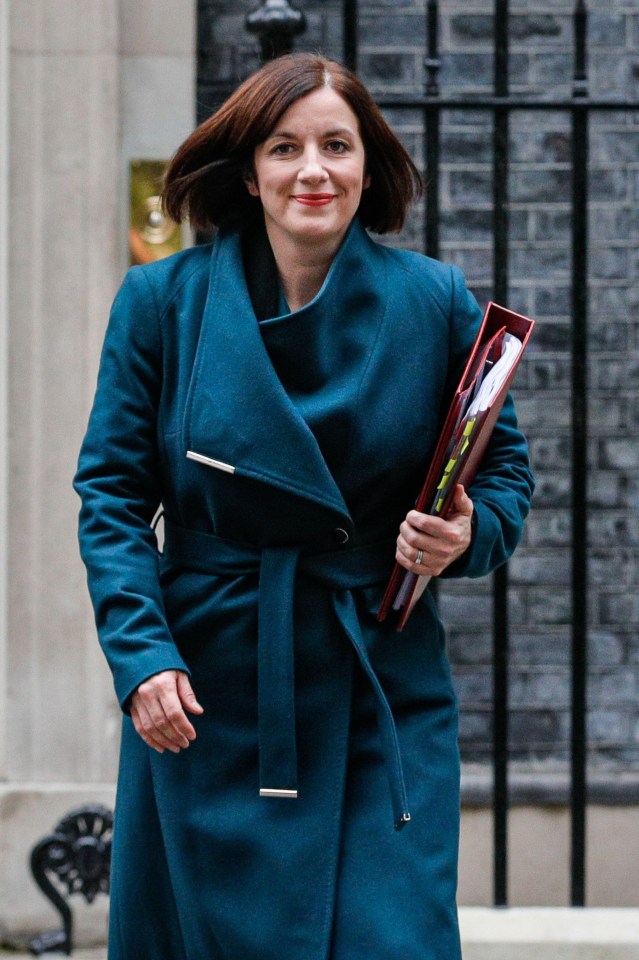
{"x": 118, "y": 481}
{"x": 503, "y": 486}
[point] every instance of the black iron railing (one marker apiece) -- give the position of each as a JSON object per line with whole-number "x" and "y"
{"x": 501, "y": 104}
{"x": 77, "y": 855}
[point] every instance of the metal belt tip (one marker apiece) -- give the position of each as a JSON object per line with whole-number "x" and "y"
{"x": 276, "y": 792}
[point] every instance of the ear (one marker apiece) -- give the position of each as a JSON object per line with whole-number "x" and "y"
{"x": 367, "y": 182}
{"x": 251, "y": 185}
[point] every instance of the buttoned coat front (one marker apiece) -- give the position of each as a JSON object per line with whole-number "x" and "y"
{"x": 284, "y": 453}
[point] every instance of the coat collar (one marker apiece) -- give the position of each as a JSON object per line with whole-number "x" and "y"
{"x": 238, "y": 416}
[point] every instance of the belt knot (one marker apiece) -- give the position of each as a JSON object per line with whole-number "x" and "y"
{"x": 340, "y": 571}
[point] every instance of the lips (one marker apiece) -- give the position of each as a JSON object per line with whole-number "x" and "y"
{"x": 313, "y": 199}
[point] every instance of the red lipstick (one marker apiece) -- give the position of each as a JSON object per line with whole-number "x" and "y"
{"x": 313, "y": 199}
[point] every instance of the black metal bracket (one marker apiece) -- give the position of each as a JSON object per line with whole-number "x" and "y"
{"x": 78, "y": 854}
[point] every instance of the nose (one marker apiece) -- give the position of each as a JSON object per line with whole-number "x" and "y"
{"x": 312, "y": 169}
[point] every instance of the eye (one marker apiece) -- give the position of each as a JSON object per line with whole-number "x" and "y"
{"x": 281, "y": 149}
{"x": 336, "y": 146}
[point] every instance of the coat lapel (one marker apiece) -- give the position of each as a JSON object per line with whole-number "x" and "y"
{"x": 238, "y": 416}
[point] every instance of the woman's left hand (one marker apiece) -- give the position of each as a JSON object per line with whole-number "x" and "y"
{"x": 441, "y": 542}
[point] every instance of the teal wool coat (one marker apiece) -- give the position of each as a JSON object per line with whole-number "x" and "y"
{"x": 285, "y": 452}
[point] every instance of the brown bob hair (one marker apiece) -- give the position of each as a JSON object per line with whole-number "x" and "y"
{"x": 205, "y": 178}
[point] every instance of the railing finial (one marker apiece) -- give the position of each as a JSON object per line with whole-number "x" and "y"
{"x": 276, "y": 23}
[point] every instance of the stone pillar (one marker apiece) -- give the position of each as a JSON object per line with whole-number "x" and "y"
{"x": 4, "y": 368}
{"x": 61, "y": 728}
{"x": 91, "y": 84}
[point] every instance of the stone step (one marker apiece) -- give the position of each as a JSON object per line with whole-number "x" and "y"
{"x": 523, "y": 933}
{"x": 82, "y": 953}
{"x": 549, "y": 933}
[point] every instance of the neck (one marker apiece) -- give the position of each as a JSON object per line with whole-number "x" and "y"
{"x": 302, "y": 267}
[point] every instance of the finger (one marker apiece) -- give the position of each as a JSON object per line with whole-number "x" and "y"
{"x": 411, "y": 541}
{"x": 434, "y": 538}
{"x": 439, "y": 554}
{"x": 429, "y": 566}
{"x": 420, "y": 525}
{"x": 164, "y": 708}
{"x": 411, "y": 551}
{"x": 159, "y": 695}
{"x": 417, "y": 538}
{"x": 186, "y": 694}
{"x": 435, "y": 551}
{"x": 416, "y": 523}
{"x": 423, "y": 549}
{"x": 147, "y": 729}
{"x": 462, "y": 504}
{"x": 150, "y": 734}
{"x": 176, "y": 724}
{"x": 167, "y": 714}
{"x": 403, "y": 560}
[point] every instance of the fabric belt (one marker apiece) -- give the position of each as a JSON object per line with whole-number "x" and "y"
{"x": 340, "y": 571}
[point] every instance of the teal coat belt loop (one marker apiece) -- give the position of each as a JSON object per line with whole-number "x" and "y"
{"x": 340, "y": 571}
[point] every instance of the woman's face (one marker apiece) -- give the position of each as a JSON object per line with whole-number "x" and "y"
{"x": 310, "y": 172}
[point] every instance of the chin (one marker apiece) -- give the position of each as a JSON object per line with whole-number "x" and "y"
{"x": 320, "y": 230}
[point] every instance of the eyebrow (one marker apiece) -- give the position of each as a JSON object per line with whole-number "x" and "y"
{"x": 339, "y": 131}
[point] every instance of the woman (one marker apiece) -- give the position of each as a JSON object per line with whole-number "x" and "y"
{"x": 279, "y": 392}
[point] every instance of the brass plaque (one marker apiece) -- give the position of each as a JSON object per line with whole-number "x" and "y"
{"x": 151, "y": 234}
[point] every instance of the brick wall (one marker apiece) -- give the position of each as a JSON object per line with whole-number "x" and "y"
{"x": 391, "y": 50}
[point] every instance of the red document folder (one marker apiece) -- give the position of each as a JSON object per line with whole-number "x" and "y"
{"x": 462, "y": 443}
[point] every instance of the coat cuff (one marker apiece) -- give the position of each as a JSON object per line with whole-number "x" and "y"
{"x": 146, "y": 665}
{"x": 477, "y": 560}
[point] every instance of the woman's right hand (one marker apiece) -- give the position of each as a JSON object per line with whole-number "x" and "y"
{"x": 158, "y": 711}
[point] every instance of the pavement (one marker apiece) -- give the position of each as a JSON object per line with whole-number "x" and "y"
{"x": 517, "y": 933}
{"x": 79, "y": 954}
